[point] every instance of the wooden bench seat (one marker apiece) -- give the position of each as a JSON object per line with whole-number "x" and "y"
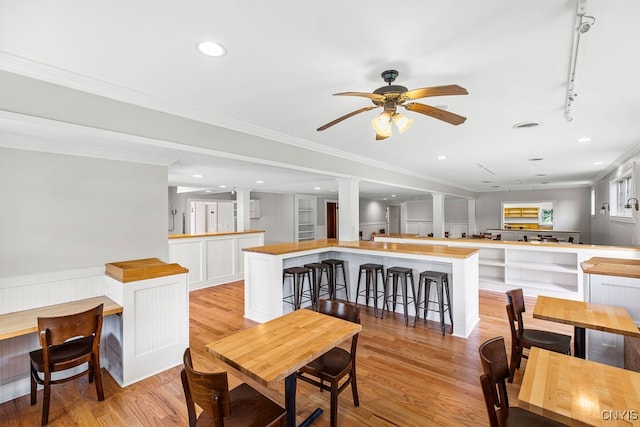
{"x": 26, "y": 321}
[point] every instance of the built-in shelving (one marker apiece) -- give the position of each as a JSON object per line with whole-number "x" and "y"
{"x": 521, "y": 212}
{"x": 305, "y": 217}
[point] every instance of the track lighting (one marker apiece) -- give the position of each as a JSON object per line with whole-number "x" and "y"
{"x": 634, "y": 205}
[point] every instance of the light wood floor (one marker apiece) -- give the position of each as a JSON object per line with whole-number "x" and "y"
{"x": 406, "y": 376}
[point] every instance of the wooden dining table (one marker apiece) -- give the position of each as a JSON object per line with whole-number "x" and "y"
{"x": 579, "y": 392}
{"x": 277, "y": 349}
{"x": 581, "y": 315}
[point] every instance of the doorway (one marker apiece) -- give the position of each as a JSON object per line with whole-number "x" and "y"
{"x": 393, "y": 219}
{"x": 332, "y": 220}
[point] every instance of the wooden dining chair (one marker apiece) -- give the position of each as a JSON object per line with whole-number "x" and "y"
{"x": 242, "y": 406}
{"x": 523, "y": 338}
{"x": 333, "y": 366}
{"x": 493, "y": 356}
{"x": 67, "y": 342}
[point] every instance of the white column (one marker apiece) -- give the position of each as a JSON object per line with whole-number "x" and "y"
{"x": 471, "y": 212}
{"x": 438, "y": 214}
{"x": 348, "y": 208}
{"x": 242, "y": 209}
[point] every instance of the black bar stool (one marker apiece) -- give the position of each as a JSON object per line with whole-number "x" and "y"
{"x": 405, "y": 275}
{"x": 371, "y": 281}
{"x": 442, "y": 286}
{"x": 297, "y": 276}
{"x": 317, "y": 270}
{"x": 334, "y": 265}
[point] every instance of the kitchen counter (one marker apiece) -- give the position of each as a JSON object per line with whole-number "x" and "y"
{"x": 406, "y": 248}
{"x": 264, "y": 265}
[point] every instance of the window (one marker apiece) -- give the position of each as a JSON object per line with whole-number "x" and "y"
{"x": 621, "y": 190}
{"x": 547, "y": 216}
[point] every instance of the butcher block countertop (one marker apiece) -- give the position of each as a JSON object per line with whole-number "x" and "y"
{"x": 401, "y": 248}
{"x": 612, "y": 267}
{"x": 141, "y": 269}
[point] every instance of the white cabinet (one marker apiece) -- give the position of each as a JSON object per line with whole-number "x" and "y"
{"x": 619, "y": 291}
{"x": 305, "y": 217}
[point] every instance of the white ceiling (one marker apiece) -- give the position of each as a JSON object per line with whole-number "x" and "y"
{"x": 286, "y": 58}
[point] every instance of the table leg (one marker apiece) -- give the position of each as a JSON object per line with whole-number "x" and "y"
{"x": 290, "y": 399}
{"x": 290, "y": 404}
{"x": 579, "y": 342}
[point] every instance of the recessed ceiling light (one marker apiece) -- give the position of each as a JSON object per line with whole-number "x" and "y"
{"x": 541, "y": 174}
{"x": 544, "y": 182}
{"x": 535, "y": 159}
{"x": 442, "y": 157}
{"x": 316, "y": 188}
{"x": 196, "y": 176}
{"x": 584, "y": 139}
{"x": 208, "y": 191}
{"x": 212, "y": 49}
{"x": 259, "y": 181}
{"x": 495, "y": 186}
{"x": 393, "y": 195}
{"x": 222, "y": 186}
{"x": 384, "y": 198}
{"x": 598, "y": 163}
{"x": 486, "y": 182}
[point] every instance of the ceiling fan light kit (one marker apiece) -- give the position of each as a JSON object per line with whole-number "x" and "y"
{"x": 391, "y": 97}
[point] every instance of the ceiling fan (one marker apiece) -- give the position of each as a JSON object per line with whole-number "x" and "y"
{"x": 390, "y": 97}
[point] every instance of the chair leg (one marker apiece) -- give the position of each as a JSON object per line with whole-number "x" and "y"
{"x": 98, "y": 377}
{"x": 334, "y": 404}
{"x": 34, "y": 387}
{"x": 354, "y": 388}
{"x": 46, "y": 399}
{"x": 514, "y": 362}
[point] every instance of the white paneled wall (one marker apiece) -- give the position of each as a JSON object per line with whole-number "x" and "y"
{"x": 213, "y": 259}
{"x": 25, "y": 292}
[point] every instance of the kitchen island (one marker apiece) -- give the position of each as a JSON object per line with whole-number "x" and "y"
{"x": 264, "y": 265}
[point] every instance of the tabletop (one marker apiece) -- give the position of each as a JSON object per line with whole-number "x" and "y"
{"x": 275, "y": 349}
{"x": 600, "y": 317}
{"x": 575, "y": 391}
{"x": 25, "y": 322}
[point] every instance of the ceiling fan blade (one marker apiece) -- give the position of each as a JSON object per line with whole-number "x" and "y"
{"x": 373, "y": 96}
{"x": 346, "y": 116}
{"x": 434, "y": 91}
{"x": 436, "y": 113}
{"x": 380, "y": 137}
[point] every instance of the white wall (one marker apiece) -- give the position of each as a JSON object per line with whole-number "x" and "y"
{"x": 372, "y": 217}
{"x": 276, "y": 217}
{"x": 605, "y": 231}
{"x": 571, "y": 208}
{"x": 65, "y": 212}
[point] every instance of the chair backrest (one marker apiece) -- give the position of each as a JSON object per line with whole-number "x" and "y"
{"x": 525, "y": 238}
{"x": 570, "y": 240}
{"x": 493, "y": 356}
{"x": 488, "y": 390}
{"x": 345, "y": 311}
{"x": 209, "y": 390}
{"x": 57, "y": 330}
{"x": 515, "y": 298}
